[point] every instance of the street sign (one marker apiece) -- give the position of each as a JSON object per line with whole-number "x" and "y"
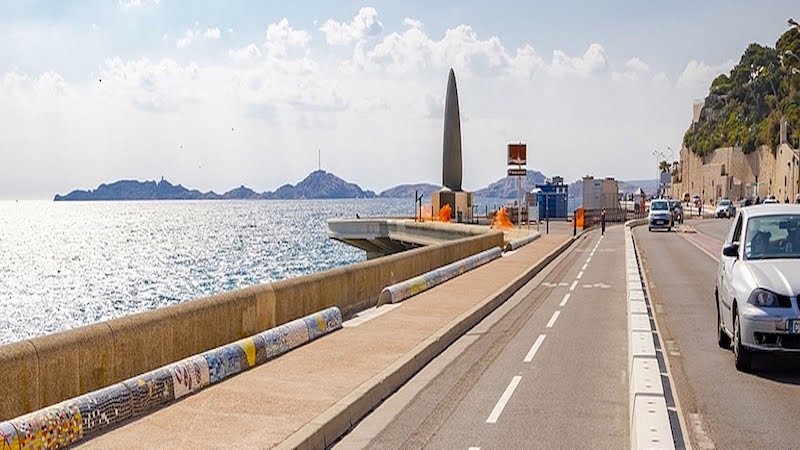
{"x": 512, "y": 172}
{"x": 517, "y": 154}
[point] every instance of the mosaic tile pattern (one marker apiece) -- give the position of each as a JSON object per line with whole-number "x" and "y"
{"x": 189, "y": 375}
{"x": 225, "y": 361}
{"x": 55, "y": 427}
{"x": 68, "y": 422}
{"x": 104, "y": 408}
{"x": 150, "y": 391}
{"x": 8, "y": 437}
{"x": 411, "y": 287}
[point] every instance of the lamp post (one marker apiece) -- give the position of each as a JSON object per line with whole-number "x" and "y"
{"x": 659, "y": 154}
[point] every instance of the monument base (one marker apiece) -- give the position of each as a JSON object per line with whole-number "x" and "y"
{"x": 460, "y": 204}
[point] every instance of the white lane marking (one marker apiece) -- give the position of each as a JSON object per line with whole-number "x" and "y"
{"x": 553, "y": 319}
{"x": 574, "y": 283}
{"x": 584, "y": 266}
{"x": 564, "y": 302}
{"x": 580, "y": 274}
{"x": 534, "y": 348}
{"x": 474, "y": 448}
{"x": 588, "y": 260}
{"x": 498, "y": 408}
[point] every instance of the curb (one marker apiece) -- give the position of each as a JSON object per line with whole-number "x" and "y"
{"x": 515, "y": 244}
{"x": 324, "y": 430}
{"x": 650, "y": 426}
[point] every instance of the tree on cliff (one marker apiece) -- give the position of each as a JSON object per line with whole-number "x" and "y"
{"x": 744, "y": 108}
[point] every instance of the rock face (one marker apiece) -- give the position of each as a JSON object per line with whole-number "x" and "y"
{"x": 407, "y": 190}
{"x": 507, "y": 187}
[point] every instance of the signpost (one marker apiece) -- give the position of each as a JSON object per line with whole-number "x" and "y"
{"x": 517, "y": 159}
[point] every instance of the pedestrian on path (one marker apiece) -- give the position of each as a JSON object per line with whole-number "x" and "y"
{"x": 603, "y": 222}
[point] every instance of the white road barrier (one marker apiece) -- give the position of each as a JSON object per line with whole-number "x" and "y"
{"x": 649, "y": 421}
{"x": 409, "y": 288}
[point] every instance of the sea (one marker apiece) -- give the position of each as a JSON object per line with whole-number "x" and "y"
{"x": 67, "y": 264}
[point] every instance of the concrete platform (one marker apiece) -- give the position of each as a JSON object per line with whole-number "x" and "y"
{"x": 266, "y": 406}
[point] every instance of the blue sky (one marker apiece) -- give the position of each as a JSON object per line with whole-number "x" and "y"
{"x": 204, "y": 94}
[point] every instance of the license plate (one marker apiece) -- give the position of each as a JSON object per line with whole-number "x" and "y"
{"x": 793, "y": 326}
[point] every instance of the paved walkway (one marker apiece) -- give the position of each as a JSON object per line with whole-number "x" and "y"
{"x": 263, "y": 407}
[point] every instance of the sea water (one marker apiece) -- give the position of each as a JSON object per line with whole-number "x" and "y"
{"x": 67, "y": 264}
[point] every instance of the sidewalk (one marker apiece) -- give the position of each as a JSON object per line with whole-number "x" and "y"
{"x": 266, "y": 405}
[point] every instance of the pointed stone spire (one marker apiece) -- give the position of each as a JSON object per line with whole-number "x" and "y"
{"x": 451, "y": 142}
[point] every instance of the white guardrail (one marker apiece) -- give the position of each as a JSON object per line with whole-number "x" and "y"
{"x": 649, "y": 421}
{"x": 400, "y": 291}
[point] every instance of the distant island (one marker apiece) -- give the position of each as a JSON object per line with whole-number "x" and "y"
{"x": 317, "y": 185}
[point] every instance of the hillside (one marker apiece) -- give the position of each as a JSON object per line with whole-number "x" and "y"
{"x": 408, "y": 190}
{"x": 137, "y": 190}
{"x": 320, "y": 184}
{"x": 744, "y": 107}
{"x": 507, "y": 187}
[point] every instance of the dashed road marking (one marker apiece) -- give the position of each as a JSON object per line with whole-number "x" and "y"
{"x": 534, "y": 348}
{"x": 564, "y": 302}
{"x": 580, "y": 274}
{"x": 584, "y": 266}
{"x": 574, "y": 283}
{"x": 498, "y": 408}
{"x": 553, "y": 319}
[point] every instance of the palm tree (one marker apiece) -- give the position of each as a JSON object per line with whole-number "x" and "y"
{"x": 663, "y": 166}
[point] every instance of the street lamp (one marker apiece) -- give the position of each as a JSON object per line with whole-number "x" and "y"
{"x": 659, "y": 154}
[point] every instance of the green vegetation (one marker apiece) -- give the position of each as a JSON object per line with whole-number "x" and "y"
{"x": 745, "y": 107}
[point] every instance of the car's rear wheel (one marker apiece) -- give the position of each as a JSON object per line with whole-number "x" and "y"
{"x": 743, "y": 356}
{"x": 723, "y": 339}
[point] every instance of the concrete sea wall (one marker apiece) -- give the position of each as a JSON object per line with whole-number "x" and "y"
{"x": 47, "y": 370}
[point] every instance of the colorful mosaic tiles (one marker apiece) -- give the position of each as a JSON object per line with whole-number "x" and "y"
{"x": 66, "y": 423}
{"x": 409, "y": 288}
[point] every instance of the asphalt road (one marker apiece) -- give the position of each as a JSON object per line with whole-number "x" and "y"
{"x": 723, "y": 408}
{"x": 546, "y": 370}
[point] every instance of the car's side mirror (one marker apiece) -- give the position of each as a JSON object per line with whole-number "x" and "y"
{"x": 731, "y": 250}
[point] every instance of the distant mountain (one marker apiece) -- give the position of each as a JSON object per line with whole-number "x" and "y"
{"x": 408, "y": 190}
{"x": 507, "y": 187}
{"x": 318, "y": 184}
{"x": 138, "y": 190}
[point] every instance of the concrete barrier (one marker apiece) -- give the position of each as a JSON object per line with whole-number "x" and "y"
{"x": 517, "y": 243}
{"x": 43, "y": 371}
{"x": 71, "y": 421}
{"x": 649, "y": 420}
{"x": 400, "y": 291}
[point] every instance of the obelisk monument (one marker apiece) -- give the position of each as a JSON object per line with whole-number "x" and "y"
{"x": 451, "y": 194}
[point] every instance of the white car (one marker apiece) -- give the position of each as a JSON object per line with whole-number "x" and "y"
{"x": 758, "y": 283}
{"x": 660, "y": 215}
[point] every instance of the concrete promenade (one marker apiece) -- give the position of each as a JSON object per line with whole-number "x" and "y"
{"x": 294, "y": 396}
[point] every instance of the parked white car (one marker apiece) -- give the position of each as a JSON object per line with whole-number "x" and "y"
{"x": 758, "y": 283}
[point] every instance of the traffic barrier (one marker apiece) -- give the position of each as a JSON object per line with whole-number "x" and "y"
{"x": 398, "y": 292}
{"x": 71, "y": 421}
{"x": 517, "y": 243}
{"x": 649, "y": 420}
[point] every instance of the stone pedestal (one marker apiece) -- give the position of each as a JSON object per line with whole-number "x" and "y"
{"x": 460, "y": 202}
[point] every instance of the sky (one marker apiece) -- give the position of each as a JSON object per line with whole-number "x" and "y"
{"x": 214, "y": 95}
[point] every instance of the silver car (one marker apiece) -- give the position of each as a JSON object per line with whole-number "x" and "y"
{"x": 758, "y": 283}
{"x": 660, "y": 215}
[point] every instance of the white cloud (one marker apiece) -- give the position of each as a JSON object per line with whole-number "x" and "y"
{"x": 152, "y": 85}
{"x": 698, "y": 74}
{"x": 413, "y": 23}
{"x": 128, "y": 4}
{"x": 249, "y": 52}
{"x": 594, "y": 60}
{"x": 212, "y": 33}
{"x": 634, "y": 69}
{"x": 186, "y": 40}
{"x": 281, "y": 38}
{"x": 365, "y": 24}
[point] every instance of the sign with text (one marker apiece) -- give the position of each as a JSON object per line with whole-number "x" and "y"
{"x": 516, "y": 172}
{"x": 517, "y": 154}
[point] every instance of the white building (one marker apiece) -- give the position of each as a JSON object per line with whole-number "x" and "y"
{"x": 600, "y": 193}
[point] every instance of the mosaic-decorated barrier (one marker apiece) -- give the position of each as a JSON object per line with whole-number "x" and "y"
{"x": 68, "y": 422}
{"x": 409, "y": 288}
{"x": 517, "y": 243}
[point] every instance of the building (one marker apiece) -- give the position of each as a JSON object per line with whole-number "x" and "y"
{"x": 729, "y": 172}
{"x": 550, "y": 199}
{"x": 600, "y": 193}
